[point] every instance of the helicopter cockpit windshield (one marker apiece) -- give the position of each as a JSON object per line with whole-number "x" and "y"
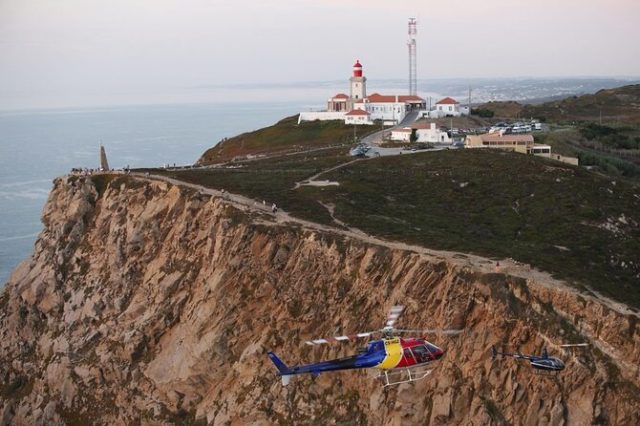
{"x": 433, "y": 349}
{"x": 421, "y": 353}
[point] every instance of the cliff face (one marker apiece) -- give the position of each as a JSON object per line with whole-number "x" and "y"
{"x": 147, "y": 303}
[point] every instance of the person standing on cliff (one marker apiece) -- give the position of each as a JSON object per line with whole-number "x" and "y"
{"x": 274, "y": 208}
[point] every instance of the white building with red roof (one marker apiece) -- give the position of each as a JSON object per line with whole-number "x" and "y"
{"x": 357, "y": 116}
{"x": 421, "y": 131}
{"x": 447, "y": 107}
{"x": 389, "y": 108}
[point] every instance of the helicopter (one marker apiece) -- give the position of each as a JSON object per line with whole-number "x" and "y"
{"x": 401, "y": 360}
{"x": 539, "y": 362}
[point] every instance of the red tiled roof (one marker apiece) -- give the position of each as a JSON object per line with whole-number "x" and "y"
{"x": 357, "y": 112}
{"x": 340, "y": 96}
{"x": 447, "y": 101}
{"x": 410, "y": 98}
{"x": 378, "y": 98}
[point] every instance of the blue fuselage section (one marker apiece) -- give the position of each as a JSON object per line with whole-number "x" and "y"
{"x": 370, "y": 357}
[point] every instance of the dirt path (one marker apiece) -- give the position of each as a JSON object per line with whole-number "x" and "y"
{"x": 477, "y": 263}
{"x": 314, "y": 177}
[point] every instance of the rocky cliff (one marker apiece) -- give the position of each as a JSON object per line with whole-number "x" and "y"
{"x": 149, "y": 303}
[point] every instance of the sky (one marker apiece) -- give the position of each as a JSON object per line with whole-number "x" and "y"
{"x": 56, "y": 53}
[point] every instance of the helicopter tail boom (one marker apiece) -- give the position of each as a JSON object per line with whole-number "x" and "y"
{"x": 285, "y": 372}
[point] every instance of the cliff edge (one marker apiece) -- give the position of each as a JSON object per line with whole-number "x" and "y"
{"x": 149, "y": 303}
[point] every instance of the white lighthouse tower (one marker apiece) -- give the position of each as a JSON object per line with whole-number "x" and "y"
{"x": 358, "y": 84}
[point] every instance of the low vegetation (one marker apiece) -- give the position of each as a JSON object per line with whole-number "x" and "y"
{"x": 285, "y": 136}
{"x": 619, "y": 105}
{"x": 271, "y": 179}
{"x": 582, "y": 227}
{"x": 483, "y": 112}
{"x": 610, "y": 149}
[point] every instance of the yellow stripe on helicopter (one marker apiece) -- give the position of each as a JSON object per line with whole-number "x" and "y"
{"x": 393, "y": 348}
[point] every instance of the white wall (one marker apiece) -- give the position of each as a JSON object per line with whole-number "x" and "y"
{"x": 321, "y": 115}
{"x": 387, "y": 110}
{"x": 439, "y": 114}
{"x": 357, "y": 119}
{"x": 432, "y": 135}
{"x": 448, "y": 108}
{"x": 399, "y": 135}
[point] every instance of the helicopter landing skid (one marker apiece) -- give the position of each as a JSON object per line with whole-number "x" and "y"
{"x": 398, "y": 376}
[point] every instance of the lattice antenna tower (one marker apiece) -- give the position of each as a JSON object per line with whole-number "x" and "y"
{"x": 413, "y": 69}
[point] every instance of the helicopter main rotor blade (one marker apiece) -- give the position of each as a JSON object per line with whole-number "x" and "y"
{"x": 575, "y": 345}
{"x": 449, "y": 332}
{"x": 338, "y": 338}
{"x": 394, "y": 313}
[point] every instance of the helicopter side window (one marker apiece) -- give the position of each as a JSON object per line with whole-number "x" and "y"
{"x": 408, "y": 356}
{"x": 421, "y": 354}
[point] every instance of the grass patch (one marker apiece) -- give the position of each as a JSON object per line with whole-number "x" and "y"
{"x": 272, "y": 180}
{"x": 500, "y": 204}
{"x": 284, "y": 136}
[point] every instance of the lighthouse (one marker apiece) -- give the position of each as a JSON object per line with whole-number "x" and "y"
{"x": 358, "y": 84}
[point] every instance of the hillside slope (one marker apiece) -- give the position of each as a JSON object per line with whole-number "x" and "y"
{"x": 285, "y": 136}
{"x": 621, "y": 104}
{"x": 146, "y": 303}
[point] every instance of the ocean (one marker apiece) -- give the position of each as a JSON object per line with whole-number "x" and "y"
{"x": 36, "y": 146}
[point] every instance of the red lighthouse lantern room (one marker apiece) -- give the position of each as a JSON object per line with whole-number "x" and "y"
{"x": 357, "y": 69}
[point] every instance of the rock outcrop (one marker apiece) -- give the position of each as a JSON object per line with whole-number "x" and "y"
{"x": 147, "y": 303}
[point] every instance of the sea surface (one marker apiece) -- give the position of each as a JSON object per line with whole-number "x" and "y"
{"x": 37, "y": 146}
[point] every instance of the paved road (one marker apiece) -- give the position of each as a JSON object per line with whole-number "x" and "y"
{"x": 375, "y": 139}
